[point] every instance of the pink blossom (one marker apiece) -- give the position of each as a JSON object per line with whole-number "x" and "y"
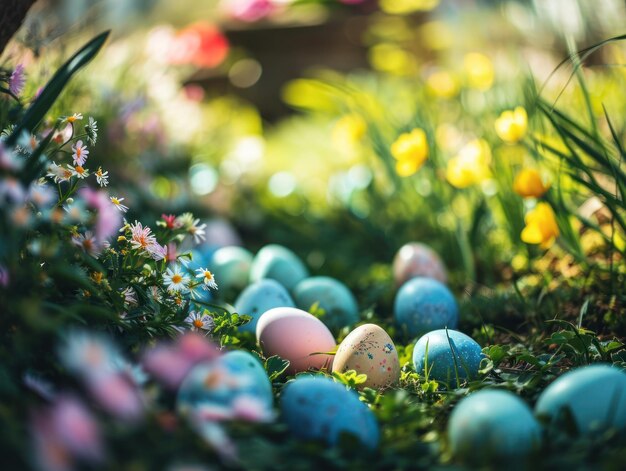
{"x": 4, "y": 276}
{"x": 158, "y": 252}
{"x": 17, "y": 80}
{"x": 108, "y": 218}
{"x": 171, "y": 252}
{"x": 76, "y": 428}
{"x": 118, "y": 395}
{"x": 249, "y": 10}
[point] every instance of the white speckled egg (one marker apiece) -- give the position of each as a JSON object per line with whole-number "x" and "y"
{"x": 369, "y": 350}
{"x": 280, "y": 264}
{"x": 295, "y": 335}
{"x": 260, "y": 297}
{"x": 416, "y": 259}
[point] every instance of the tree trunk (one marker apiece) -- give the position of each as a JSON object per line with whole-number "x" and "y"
{"x": 12, "y": 14}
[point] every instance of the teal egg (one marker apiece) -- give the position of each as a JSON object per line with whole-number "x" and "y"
{"x": 493, "y": 425}
{"x": 231, "y": 267}
{"x": 446, "y": 353}
{"x": 317, "y": 408}
{"x": 280, "y": 264}
{"x": 260, "y": 297}
{"x": 332, "y": 296}
{"x": 594, "y": 395}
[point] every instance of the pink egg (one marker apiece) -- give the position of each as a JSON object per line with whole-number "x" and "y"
{"x": 415, "y": 259}
{"x": 295, "y": 335}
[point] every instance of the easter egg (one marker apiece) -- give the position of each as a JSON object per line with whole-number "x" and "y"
{"x": 260, "y": 297}
{"x": 424, "y": 304}
{"x": 330, "y": 295}
{"x": 295, "y": 335}
{"x": 415, "y": 259}
{"x": 369, "y": 350}
{"x": 221, "y": 385}
{"x": 231, "y": 267}
{"x": 280, "y": 264}
{"x": 444, "y": 354}
{"x": 316, "y": 407}
{"x": 491, "y": 425}
{"x": 594, "y": 395}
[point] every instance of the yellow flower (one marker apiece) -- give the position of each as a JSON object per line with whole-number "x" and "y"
{"x": 411, "y": 151}
{"x": 511, "y": 126}
{"x": 541, "y": 227}
{"x": 349, "y": 129}
{"x": 528, "y": 184}
{"x": 442, "y": 84}
{"x": 471, "y": 165}
{"x": 479, "y": 70}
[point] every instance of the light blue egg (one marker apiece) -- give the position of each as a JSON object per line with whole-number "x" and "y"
{"x": 594, "y": 395}
{"x": 221, "y": 382}
{"x": 260, "y": 297}
{"x": 198, "y": 260}
{"x": 445, "y": 357}
{"x": 491, "y": 425}
{"x": 333, "y": 297}
{"x": 231, "y": 267}
{"x": 280, "y": 264}
{"x": 316, "y": 407}
{"x": 424, "y": 304}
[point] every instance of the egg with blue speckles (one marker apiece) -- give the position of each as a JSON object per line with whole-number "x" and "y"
{"x": 424, "y": 304}
{"x": 594, "y": 395}
{"x": 332, "y": 296}
{"x": 260, "y": 297}
{"x": 231, "y": 267}
{"x": 219, "y": 387}
{"x": 317, "y": 408}
{"x": 297, "y": 336}
{"x": 492, "y": 425}
{"x": 280, "y": 264}
{"x": 447, "y": 353}
{"x": 369, "y": 350}
{"x": 416, "y": 259}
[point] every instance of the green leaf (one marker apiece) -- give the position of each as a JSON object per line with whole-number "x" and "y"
{"x": 275, "y": 366}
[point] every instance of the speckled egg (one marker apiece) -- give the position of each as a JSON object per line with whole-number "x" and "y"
{"x": 295, "y": 335}
{"x": 231, "y": 267}
{"x": 219, "y": 384}
{"x": 445, "y": 357}
{"x": 594, "y": 395}
{"x": 332, "y": 296}
{"x": 260, "y": 297}
{"x": 316, "y": 407}
{"x": 491, "y": 425}
{"x": 416, "y": 259}
{"x": 424, "y": 304}
{"x": 369, "y": 350}
{"x": 280, "y": 264}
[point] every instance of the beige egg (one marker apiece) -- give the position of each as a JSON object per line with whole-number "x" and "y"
{"x": 368, "y": 349}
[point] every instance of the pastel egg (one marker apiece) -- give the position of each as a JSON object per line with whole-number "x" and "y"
{"x": 332, "y": 296}
{"x": 295, "y": 335}
{"x": 491, "y": 425}
{"x": 280, "y": 264}
{"x": 231, "y": 267}
{"x": 424, "y": 304}
{"x": 260, "y": 297}
{"x": 594, "y": 395}
{"x": 416, "y": 259}
{"x": 369, "y": 350}
{"x": 446, "y": 353}
{"x": 219, "y": 385}
{"x": 316, "y": 407}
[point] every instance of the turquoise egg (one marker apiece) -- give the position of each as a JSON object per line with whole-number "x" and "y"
{"x": 425, "y": 304}
{"x": 491, "y": 425}
{"x": 218, "y": 384}
{"x": 333, "y": 297}
{"x": 317, "y": 408}
{"x": 260, "y": 297}
{"x": 594, "y": 395}
{"x": 280, "y": 264}
{"x": 231, "y": 267}
{"x": 445, "y": 358}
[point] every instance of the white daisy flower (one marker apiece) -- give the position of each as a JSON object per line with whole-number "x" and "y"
{"x": 58, "y": 173}
{"x": 80, "y": 153}
{"x": 118, "y": 203}
{"x": 71, "y": 119}
{"x": 91, "y": 128}
{"x": 207, "y": 278}
{"x": 174, "y": 280}
{"x": 199, "y": 321}
{"x": 102, "y": 177}
{"x": 130, "y": 296}
{"x": 79, "y": 171}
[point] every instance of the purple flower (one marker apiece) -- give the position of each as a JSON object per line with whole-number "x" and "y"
{"x": 17, "y": 80}
{"x": 109, "y": 219}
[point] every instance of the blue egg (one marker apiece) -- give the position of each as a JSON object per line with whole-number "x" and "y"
{"x": 491, "y": 425}
{"x": 442, "y": 358}
{"x": 332, "y": 296}
{"x": 594, "y": 395}
{"x": 220, "y": 383}
{"x": 280, "y": 264}
{"x": 198, "y": 260}
{"x": 316, "y": 407}
{"x": 260, "y": 297}
{"x": 231, "y": 267}
{"x": 424, "y": 304}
